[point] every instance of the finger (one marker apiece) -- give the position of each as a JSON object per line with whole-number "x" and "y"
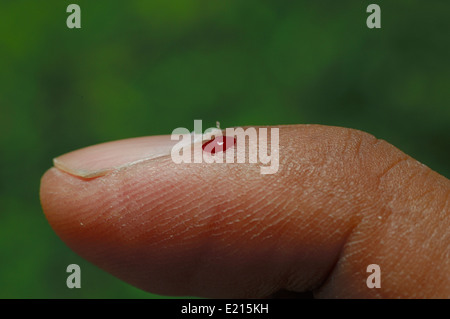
{"x": 340, "y": 201}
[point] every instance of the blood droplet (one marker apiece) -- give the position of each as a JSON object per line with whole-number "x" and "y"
{"x": 219, "y": 144}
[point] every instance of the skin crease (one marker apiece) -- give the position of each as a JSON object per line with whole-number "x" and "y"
{"x": 341, "y": 200}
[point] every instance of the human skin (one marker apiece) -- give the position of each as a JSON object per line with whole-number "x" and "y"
{"x": 340, "y": 201}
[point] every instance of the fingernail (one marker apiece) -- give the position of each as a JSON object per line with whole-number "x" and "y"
{"x": 98, "y": 160}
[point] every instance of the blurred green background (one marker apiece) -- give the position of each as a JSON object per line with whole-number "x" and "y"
{"x": 146, "y": 67}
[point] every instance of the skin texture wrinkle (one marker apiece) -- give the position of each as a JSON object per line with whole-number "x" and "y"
{"x": 340, "y": 201}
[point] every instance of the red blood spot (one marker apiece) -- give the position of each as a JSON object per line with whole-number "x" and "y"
{"x": 219, "y": 144}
